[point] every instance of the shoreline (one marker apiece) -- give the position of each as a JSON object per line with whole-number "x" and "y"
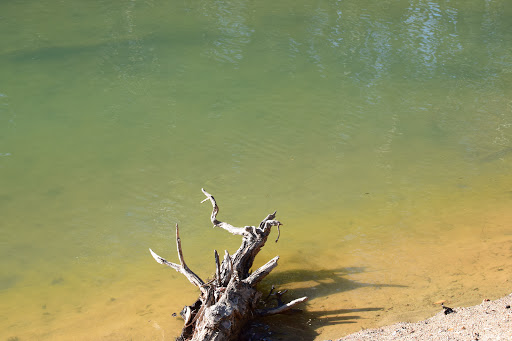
{"x": 490, "y": 320}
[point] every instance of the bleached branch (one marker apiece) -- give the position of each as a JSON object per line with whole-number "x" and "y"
{"x": 228, "y": 227}
{"x": 182, "y": 268}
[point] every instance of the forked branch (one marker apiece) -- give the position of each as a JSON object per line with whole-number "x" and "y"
{"x": 182, "y": 267}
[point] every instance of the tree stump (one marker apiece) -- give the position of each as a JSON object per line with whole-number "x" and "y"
{"x": 230, "y": 299}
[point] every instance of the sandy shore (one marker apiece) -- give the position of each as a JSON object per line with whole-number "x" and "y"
{"x": 490, "y": 320}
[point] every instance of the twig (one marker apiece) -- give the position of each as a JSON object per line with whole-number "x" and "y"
{"x": 282, "y": 308}
{"x": 270, "y": 292}
{"x": 217, "y": 269}
{"x": 183, "y": 268}
{"x": 228, "y": 227}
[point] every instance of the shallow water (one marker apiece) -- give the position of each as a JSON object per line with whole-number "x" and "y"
{"x": 381, "y": 133}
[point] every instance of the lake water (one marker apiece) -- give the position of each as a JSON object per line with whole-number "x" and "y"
{"x": 381, "y": 132}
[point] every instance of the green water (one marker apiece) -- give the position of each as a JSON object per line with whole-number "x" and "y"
{"x": 380, "y": 132}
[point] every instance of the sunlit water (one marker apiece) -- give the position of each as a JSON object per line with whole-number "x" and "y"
{"x": 380, "y": 132}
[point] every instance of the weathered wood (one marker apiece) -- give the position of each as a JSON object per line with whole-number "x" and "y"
{"x": 182, "y": 268}
{"x": 230, "y": 299}
{"x": 281, "y": 308}
{"x": 262, "y": 272}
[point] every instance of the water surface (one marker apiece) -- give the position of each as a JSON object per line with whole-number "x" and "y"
{"x": 381, "y": 133}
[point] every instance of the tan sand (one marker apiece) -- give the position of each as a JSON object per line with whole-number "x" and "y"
{"x": 491, "y": 320}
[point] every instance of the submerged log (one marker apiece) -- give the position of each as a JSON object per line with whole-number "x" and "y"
{"x": 230, "y": 299}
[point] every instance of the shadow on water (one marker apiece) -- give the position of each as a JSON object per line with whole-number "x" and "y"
{"x": 301, "y": 326}
{"x": 322, "y": 282}
{"x": 95, "y": 48}
{"x": 318, "y": 283}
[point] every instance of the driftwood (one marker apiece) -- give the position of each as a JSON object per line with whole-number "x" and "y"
{"x": 230, "y": 299}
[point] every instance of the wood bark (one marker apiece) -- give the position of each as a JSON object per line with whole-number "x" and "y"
{"x": 230, "y": 299}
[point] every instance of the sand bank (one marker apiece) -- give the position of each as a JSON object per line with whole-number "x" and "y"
{"x": 490, "y": 320}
